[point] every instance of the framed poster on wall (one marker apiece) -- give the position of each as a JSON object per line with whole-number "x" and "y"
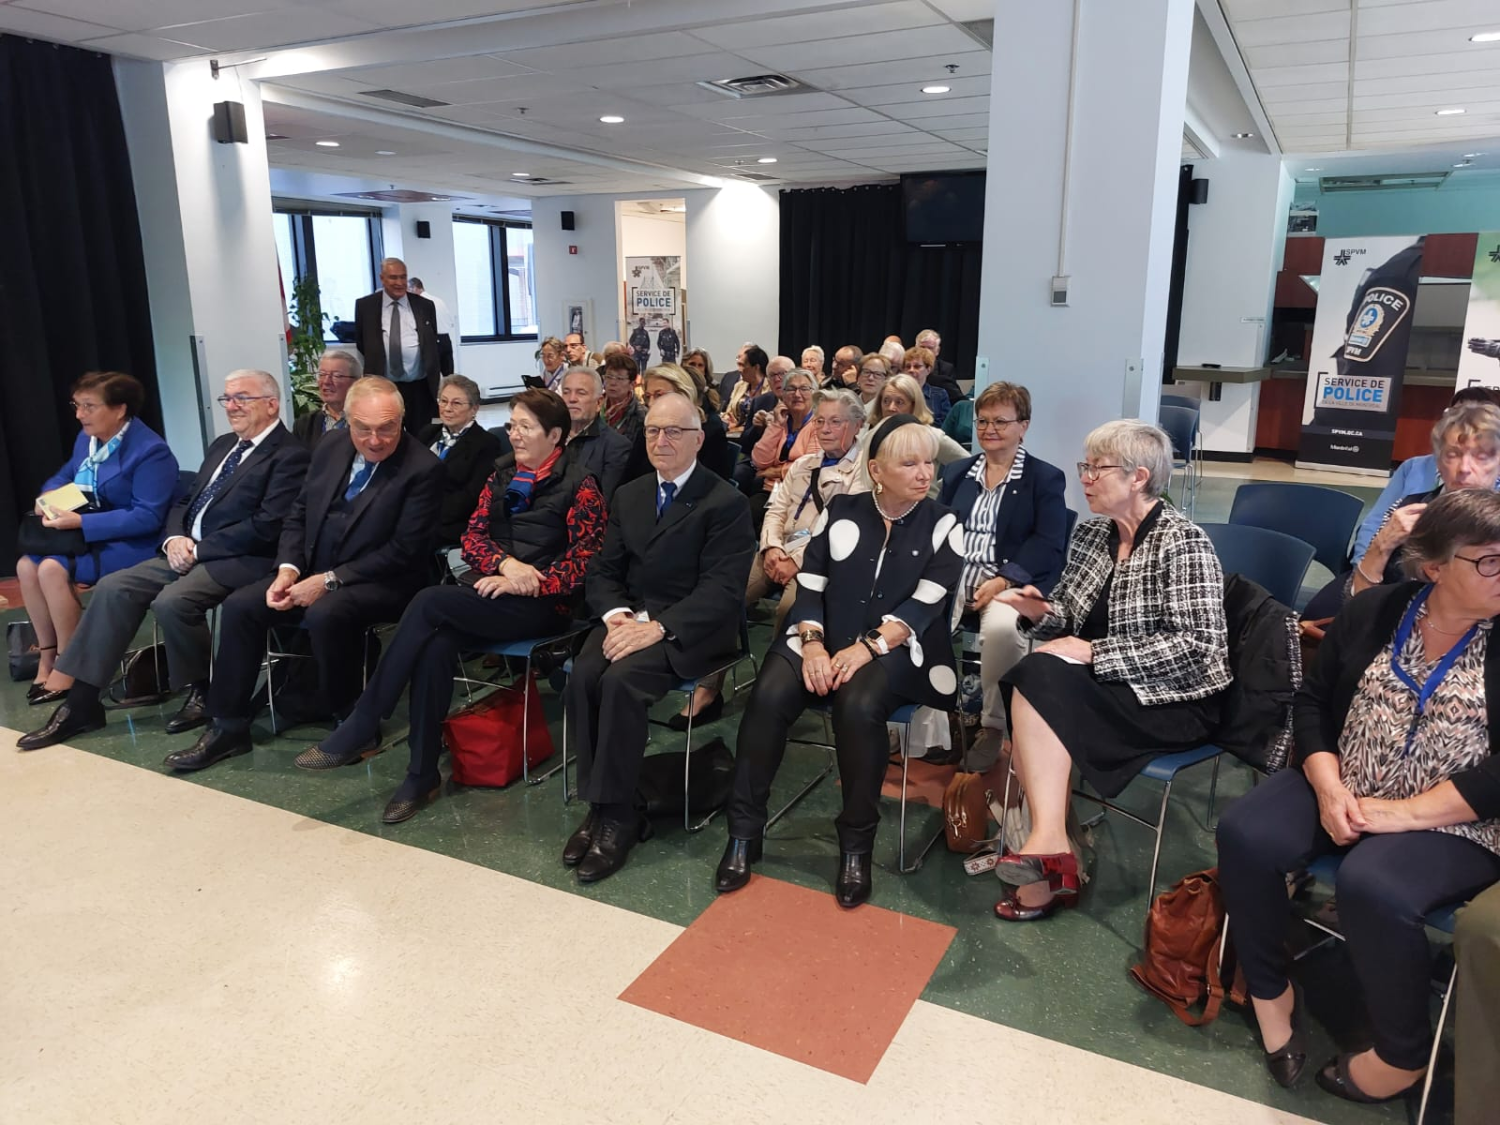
{"x": 654, "y": 309}
{"x": 578, "y": 316}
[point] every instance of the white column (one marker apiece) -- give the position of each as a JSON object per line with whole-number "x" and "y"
{"x": 1100, "y": 357}
{"x": 431, "y": 258}
{"x": 1233, "y": 254}
{"x": 205, "y": 212}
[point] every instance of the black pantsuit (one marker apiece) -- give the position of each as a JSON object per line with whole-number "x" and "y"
{"x": 622, "y": 692}
{"x": 860, "y": 709}
{"x": 440, "y": 622}
{"x": 1386, "y": 885}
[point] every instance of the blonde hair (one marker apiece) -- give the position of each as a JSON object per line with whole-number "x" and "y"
{"x": 681, "y": 381}
{"x": 908, "y": 387}
{"x": 906, "y": 439}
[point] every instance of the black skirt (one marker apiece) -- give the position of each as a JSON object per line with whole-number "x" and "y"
{"x": 1110, "y": 734}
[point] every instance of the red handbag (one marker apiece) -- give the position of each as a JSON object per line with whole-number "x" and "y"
{"x": 485, "y": 738}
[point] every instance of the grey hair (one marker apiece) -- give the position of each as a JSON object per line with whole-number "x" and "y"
{"x": 1134, "y": 444}
{"x": 463, "y": 383}
{"x": 1473, "y": 420}
{"x": 267, "y": 381}
{"x": 591, "y": 372}
{"x": 799, "y": 373}
{"x": 391, "y": 261}
{"x": 817, "y": 351}
{"x": 848, "y": 403}
{"x": 1466, "y": 517}
{"x": 354, "y": 364}
{"x": 372, "y": 385}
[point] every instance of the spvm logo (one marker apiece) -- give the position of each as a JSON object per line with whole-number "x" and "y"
{"x": 1343, "y": 256}
{"x": 1495, "y": 254}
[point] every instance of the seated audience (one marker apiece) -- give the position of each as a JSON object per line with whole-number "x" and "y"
{"x": 355, "y": 547}
{"x": 128, "y": 476}
{"x": 943, "y": 375}
{"x": 611, "y": 348}
{"x": 1395, "y": 772}
{"x": 467, "y": 451}
{"x": 699, "y": 363}
{"x": 622, "y": 411}
{"x": 874, "y": 370}
{"x": 786, "y": 434}
{"x": 669, "y": 587}
{"x": 717, "y": 454}
{"x": 577, "y": 353}
{"x": 740, "y": 407}
{"x": 338, "y": 368}
{"x": 917, "y": 363}
{"x": 603, "y": 452}
{"x": 1476, "y": 1033}
{"x": 845, "y": 373}
{"x": 730, "y": 378}
{"x": 772, "y": 390}
{"x": 537, "y": 524}
{"x": 1015, "y": 520}
{"x": 812, "y": 362}
{"x": 894, "y": 352}
{"x": 1133, "y": 660}
{"x": 959, "y": 425}
{"x": 219, "y": 537}
{"x": 554, "y": 361}
{"x": 901, "y": 395}
{"x": 871, "y": 631}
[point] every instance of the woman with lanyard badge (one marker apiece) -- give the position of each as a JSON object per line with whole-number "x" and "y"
{"x": 128, "y": 475}
{"x": 1397, "y": 773}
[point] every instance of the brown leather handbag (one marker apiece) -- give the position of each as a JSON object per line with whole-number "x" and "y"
{"x": 966, "y": 813}
{"x": 1187, "y": 951}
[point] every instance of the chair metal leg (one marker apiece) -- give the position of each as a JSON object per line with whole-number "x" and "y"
{"x": 1437, "y": 1039}
{"x": 687, "y": 774}
{"x": 1161, "y": 824}
{"x": 828, "y": 768}
{"x": 526, "y": 722}
{"x": 901, "y": 864}
{"x": 1213, "y": 792}
{"x": 567, "y": 796}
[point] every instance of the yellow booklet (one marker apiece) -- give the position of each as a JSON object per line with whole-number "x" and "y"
{"x": 68, "y": 498}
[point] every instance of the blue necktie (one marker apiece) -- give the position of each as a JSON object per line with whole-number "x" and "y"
{"x": 361, "y": 479}
{"x": 664, "y": 498}
{"x": 206, "y": 497}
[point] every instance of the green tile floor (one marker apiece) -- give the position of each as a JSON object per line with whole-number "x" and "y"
{"x": 1064, "y": 978}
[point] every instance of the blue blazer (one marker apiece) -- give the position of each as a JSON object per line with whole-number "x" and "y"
{"x": 135, "y": 489}
{"x": 1031, "y": 538}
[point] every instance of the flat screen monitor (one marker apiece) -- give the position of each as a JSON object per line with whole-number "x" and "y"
{"x": 943, "y": 206}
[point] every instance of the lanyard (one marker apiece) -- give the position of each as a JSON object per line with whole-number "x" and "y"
{"x": 1429, "y": 686}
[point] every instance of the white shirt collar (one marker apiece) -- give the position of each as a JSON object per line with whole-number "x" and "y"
{"x": 260, "y": 437}
{"x": 389, "y": 301}
{"x": 680, "y": 481}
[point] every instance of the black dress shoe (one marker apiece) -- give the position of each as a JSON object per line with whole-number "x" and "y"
{"x": 38, "y": 694}
{"x": 1287, "y": 1064}
{"x": 734, "y": 868}
{"x": 705, "y": 714}
{"x": 65, "y": 722}
{"x": 214, "y": 746}
{"x": 192, "y": 714}
{"x": 413, "y": 796}
{"x": 578, "y": 844}
{"x": 853, "y": 886}
{"x": 610, "y": 847}
{"x": 1334, "y": 1079}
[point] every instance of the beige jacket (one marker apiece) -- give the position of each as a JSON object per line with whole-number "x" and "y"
{"x": 783, "y": 521}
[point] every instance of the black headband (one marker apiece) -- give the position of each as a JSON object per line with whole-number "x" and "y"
{"x": 888, "y": 427}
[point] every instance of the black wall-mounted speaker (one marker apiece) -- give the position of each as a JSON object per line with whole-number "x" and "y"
{"x": 424, "y": 229}
{"x": 229, "y": 123}
{"x": 567, "y": 220}
{"x": 1198, "y": 191}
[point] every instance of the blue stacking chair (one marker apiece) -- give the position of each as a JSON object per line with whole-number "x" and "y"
{"x": 1270, "y": 559}
{"x": 1188, "y": 402}
{"x": 1181, "y": 425}
{"x": 1444, "y": 920}
{"x": 1323, "y": 517}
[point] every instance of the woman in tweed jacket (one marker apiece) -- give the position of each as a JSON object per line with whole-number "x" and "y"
{"x": 1134, "y": 659}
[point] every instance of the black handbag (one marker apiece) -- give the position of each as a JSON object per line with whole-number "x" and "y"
{"x": 143, "y": 678}
{"x": 35, "y": 538}
{"x": 25, "y": 657}
{"x": 710, "y": 778}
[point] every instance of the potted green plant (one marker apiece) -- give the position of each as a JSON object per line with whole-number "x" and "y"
{"x": 308, "y": 318}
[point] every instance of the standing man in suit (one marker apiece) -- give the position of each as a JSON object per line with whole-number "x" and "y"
{"x": 220, "y": 536}
{"x": 444, "y": 324}
{"x": 354, "y": 548}
{"x": 604, "y": 452}
{"x": 338, "y": 369}
{"x": 398, "y": 334}
{"x": 467, "y": 451}
{"x": 669, "y": 587}
{"x": 943, "y": 375}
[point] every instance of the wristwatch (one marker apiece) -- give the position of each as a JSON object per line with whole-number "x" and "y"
{"x": 807, "y": 636}
{"x": 874, "y": 639}
{"x": 330, "y": 581}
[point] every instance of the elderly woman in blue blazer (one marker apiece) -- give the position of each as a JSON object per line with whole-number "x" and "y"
{"x": 1015, "y": 534}
{"x": 128, "y": 475}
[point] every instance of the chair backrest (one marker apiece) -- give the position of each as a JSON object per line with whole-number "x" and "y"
{"x": 1187, "y": 401}
{"x": 1181, "y": 425}
{"x": 1270, "y": 559}
{"x": 1323, "y": 517}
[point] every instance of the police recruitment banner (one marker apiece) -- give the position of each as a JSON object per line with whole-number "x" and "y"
{"x": 1479, "y": 359}
{"x": 1366, "y": 293}
{"x": 653, "y": 309}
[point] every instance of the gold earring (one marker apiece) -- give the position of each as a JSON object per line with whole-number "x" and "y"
{"x": 879, "y": 488}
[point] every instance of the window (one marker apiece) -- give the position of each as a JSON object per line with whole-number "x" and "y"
{"x": 492, "y": 306}
{"x": 341, "y": 250}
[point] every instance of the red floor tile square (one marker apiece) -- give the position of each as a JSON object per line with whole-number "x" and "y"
{"x": 925, "y": 783}
{"x": 786, "y": 969}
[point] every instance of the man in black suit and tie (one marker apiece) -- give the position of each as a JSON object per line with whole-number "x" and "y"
{"x": 355, "y": 547}
{"x": 669, "y": 586}
{"x": 397, "y": 332}
{"x": 221, "y": 536}
{"x": 942, "y": 375}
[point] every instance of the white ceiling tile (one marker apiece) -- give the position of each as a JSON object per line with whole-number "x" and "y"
{"x": 1425, "y": 43}
{"x": 921, "y": 110}
{"x": 1268, "y": 79}
{"x": 521, "y": 89}
{"x": 1300, "y": 28}
{"x": 1421, "y": 83}
{"x": 1404, "y": 66}
{"x": 577, "y": 57}
{"x": 23, "y": 21}
{"x": 269, "y": 29}
{"x": 1317, "y": 91}
{"x": 1428, "y": 100}
{"x": 963, "y": 11}
{"x": 139, "y": 46}
{"x": 877, "y": 50}
{"x": 1311, "y": 53}
{"x": 864, "y": 129}
{"x": 1476, "y": 110}
{"x": 405, "y": 13}
{"x": 906, "y": 92}
{"x": 1404, "y": 19}
{"x": 143, "y": 15}
{"x": 956, "y": 121}
{"x": 963, "y": 135}
{"x": 914, "y": 150}
{"x": 716, "y": 108}
{"x": 865, "y": 73}
{"x": 439, "y": 72}
{"x": 702, "y": 66}
{"x": 1298, "y": 120}
{"x": 814, "y": 26}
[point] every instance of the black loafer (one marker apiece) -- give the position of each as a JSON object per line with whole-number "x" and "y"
{"x": 853, "y": 886}
{"x": 65, "y": 722}
{"x": 192, "y": 714}
{"x": 734, "y": 868}
{"x": 578, "y": 844}
{"x": 1287, "y": 1064}
{"x": 1334, "y": 1079}
{"x": 610, "y": 848}
{"x": 410, "y": 799}
{"x": 707, "y": 714}
{"x": 214, "y": 746}
{"x": 38, "y": 694}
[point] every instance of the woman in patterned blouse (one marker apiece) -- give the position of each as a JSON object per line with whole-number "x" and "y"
{"x": 1398, "y": 775}
{"x": 539, "y": 520}
{"x": 1134, "y": 661}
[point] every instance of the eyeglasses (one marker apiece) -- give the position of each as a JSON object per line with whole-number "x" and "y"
{"x": 996, "y": 423}
{"x": 84, "y": 407}
{"x": 364, "y": 433}
{"x": 1091, "y": 473}
{"x": 673, "y": 434}
{"x": 240, "y": 400}
{"x": 796, "y": 390}
{"x": 335, "y": 375}
{"x": 460, "y": 403}
{"x": 1487, "y": 565}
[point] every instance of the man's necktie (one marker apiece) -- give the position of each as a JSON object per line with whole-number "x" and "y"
{"x": 206, "y": 497}
{"x": 361, "y": 479}
{"x": 664, "y": 498}
{"x": 395, "y": 364}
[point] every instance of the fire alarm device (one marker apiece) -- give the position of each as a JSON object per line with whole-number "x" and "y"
{"x": 572, "y": 249}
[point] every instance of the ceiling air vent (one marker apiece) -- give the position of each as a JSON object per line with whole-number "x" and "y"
{"x": 402, "y": 195}
{"x": 755, "y": 86}
{"x": 1396, "y": 181}
{"x": 405, "y": 99}
{"x": 753, "y": 176}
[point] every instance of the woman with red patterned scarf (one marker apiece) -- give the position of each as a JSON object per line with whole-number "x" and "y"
{"x": 539, "y": 520}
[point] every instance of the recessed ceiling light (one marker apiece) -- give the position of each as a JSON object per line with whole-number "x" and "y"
{"x": 1472, "y": 155}
{"x": 1243, "y": 136}
{"x": 612, "y": 119}
{"x": 522, "y": 175}
{"x": 766, "y": 160}
{"x": 384, "y": 152}
{"x": 1465, "y": 164}
{"x": 1314, "y": 169}
{"x": 936, "y": 89}
{"x": 1485, "y": 37}
{"x": 1449, "y": 112}
{"x": 328, "y": 144}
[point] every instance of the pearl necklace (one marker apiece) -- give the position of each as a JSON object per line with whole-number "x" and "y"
{"x": 887, "y": 516}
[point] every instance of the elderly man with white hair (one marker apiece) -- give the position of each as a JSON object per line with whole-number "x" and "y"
{"x": 943, "y": 376}
{"x": 222, "y": 535}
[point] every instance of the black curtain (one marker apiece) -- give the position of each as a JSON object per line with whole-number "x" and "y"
{"x": 1178, "y": 286}
{"x": 72, "y": 275}
{"x": 848, "y": 276}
